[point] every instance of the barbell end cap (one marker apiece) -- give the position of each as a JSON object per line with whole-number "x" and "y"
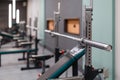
{"x": 109, "y": 48}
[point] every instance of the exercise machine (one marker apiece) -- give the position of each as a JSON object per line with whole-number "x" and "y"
{"x": 23, "y": 50}
{"x": 57, "y": 19}
{"x": 38, "y": 58}
{"x": 73, "y": 55}
{"x": 83, "y": 48}
{"x": 26, "y": 40}
{"x": 28, "y": 43}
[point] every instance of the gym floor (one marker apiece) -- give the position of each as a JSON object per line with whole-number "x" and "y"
{"x": 10, "y": 69}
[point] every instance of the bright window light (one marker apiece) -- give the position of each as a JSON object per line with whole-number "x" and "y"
{"x": 17, "y": 16}
{"x": 10, "y": 16}
{"x": 14, "y": 8}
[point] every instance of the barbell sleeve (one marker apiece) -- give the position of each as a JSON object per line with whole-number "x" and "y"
{"x": 97, "y": 45}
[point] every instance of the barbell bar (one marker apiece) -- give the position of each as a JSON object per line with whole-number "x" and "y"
{"x": 96, "y": 44}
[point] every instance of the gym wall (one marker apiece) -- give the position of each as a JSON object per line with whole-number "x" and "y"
{"x": 36, "y": 9}
{"x": 32, "y": 13}
{"x": 69, "y": 10}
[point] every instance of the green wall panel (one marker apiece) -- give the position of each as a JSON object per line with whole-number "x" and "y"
{"x": 42, "y": 20}
{"x": 102, "y": 31}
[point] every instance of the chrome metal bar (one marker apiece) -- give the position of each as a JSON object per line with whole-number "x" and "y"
{"x": 84, "y": 41}
{"x": 62, "y": 35}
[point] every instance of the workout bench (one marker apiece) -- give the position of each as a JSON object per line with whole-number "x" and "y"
{"x": 23, "y": 50}
{"x": 42, "y": 58}
{"x": 5, "y": 34}
{"x": 16, "y": 50}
